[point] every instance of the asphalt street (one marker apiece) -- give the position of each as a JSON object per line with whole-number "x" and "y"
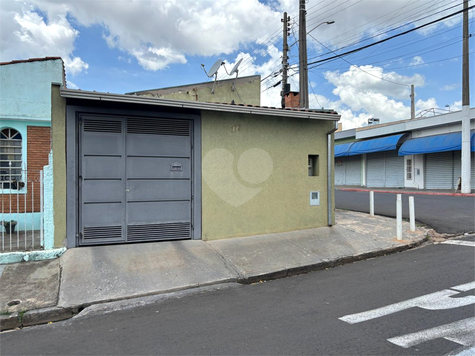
{"x": 315, "y": 313}
{"x": 444, "y": 213}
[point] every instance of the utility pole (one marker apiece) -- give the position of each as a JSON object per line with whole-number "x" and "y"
{"x": 465, "y": 105}
{"x": 413, "y": 109}
{"x": 303, "y": 70}
{"x": 285, "y": 49}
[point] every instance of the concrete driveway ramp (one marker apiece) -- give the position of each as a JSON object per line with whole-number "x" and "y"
{"x": 107, "y": 273}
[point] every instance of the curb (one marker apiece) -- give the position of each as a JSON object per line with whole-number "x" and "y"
{"x": 53, "y": 314}
{"x": 36, "y": 317}
{"x": 406, "y": 192}
{"x": 329, "y": 264}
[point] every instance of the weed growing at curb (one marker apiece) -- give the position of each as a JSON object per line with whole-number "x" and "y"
{"x": 20, "y": 315}
{"x": 5, "y": 312}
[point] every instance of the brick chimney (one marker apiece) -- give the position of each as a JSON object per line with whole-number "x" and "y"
{"x": 292, "y": 99}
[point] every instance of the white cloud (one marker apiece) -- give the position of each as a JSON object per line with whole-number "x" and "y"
{"x": 362, "y": 96}
{"x": 71, "y": 85}
{"x": 449, "y": 87}
{"x": 417, "y": 60}
{"x": 26, "y": 34}
{"x": 368, "y": 78}
{"x": 426, "y": 104}
{"x": 160, "y": 33}
{"x": 75, "y": 65}
{"x": 157, "y": 58}
{"x": 456, "y": 105}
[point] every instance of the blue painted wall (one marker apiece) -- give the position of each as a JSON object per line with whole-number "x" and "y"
{"x": 25, "y": 100}
{"x": 25, "y": 89}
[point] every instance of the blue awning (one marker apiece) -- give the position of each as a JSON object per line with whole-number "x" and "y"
{"x": 437, "y": 143}
{"x": 342, "y": 149}
{"x": 387, "y": 143}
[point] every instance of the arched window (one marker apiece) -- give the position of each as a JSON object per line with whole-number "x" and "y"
{"x": 10, "y": 158}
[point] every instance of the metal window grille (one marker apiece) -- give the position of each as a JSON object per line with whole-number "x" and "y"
{"x": 10, "y": 159}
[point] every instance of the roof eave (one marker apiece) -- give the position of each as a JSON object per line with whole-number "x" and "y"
{"x": 131, "y": 99}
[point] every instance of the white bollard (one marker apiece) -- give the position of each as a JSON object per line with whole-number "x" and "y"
{"x": 412, "y": 214}
{"x": 371, "y": 203}
{"x": 399, "y": 217}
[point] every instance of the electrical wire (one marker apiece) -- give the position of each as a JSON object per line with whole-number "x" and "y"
{"x": 390, "y": 38}
{"x": 389, "y": 81}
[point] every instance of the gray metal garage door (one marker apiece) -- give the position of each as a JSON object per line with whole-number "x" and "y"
{"x": 134, "y": 179}
{"x": 348, "y": 170}
{"x": 385, "y": 169}
{"x": 340, "y": 168}
{"x": 440, "y": 170}
{"x": 353, "y": 170}
{"x": 394, "y": 170}
{"x": 375, "y": 175}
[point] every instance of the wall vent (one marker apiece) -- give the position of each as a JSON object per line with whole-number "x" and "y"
{"x": 148, "y": 126}
{"x": 103, "y": 233}
{"x": 98, "y": 125}
{"x": 151, "y": 232}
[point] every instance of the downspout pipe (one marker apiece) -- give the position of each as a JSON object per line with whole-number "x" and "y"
{"x": 329, "y": 174}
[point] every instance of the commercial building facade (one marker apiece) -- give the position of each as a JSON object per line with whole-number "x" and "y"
{"x": 423, "y": 153}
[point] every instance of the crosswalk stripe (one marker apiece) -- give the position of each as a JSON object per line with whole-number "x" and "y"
{"x": 460, "y": 243}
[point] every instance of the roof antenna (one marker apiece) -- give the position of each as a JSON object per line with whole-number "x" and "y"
{"x": 234, "y": 70}
{"x": 213, "y": 71}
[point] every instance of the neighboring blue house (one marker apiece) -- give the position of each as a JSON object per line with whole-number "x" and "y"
{"x": 25, "y": 142}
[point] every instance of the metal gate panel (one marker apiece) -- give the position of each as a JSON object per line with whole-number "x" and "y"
{"x": 141, "y": 190}
{"x": 375, "y": 175}
{"x": 162, "y": 146}
{"x": 159, "y": 184}
{"x": 158, "y": 168}
{"x": 102, "y": 180}
{"x": 394, "y": 170}
{"x": 439, "y": 170}
{"x": 353, "y": 170}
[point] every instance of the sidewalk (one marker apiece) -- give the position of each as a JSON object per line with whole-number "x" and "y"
{"x": 40, "y": 292}
{"x": 412, "y": 191}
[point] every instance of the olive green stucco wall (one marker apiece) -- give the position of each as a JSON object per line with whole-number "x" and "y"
{"x": 58, "y": 136}
{"x": 248, "y": 92}
{"x": 239, "y": 152}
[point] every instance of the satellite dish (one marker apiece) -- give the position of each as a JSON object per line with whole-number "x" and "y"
{"x": 213, "y": 71}
{"x": 235, "y": 68}
{"x": 214, "y": 68}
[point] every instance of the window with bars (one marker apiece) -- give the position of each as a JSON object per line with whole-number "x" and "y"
{"x": 10, "y": 158}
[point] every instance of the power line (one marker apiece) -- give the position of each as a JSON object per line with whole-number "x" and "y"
{"x": 390, "y": 30}
{"x": 389, "y": 81}
{"x": 389, "y": 38}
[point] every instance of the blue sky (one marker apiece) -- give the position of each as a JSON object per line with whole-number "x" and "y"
{"x": 122, "y": 46}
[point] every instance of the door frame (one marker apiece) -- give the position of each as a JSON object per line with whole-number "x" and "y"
{"x": 72, "y": 160}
